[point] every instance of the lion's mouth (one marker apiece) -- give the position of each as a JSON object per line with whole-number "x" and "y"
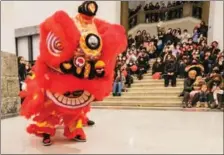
{"x": 72, "y": 100}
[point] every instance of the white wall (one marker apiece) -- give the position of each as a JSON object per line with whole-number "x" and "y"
{"x": 23, "y": 48}
{"x": 216, "y": 22}
{"x": 7, "y": 27}
{"x": 36, "y": 48}
{"x": 30, "y": 13}
{"x": 19, "y": 14}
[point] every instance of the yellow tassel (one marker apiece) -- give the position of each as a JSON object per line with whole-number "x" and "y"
{"x": 87, "y": 70}
{"x": 79, "y": 124}
{"x": 78, "y": 70}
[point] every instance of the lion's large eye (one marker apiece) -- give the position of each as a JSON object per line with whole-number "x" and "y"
{"x": 54, "y": 44}
{"x": 92, "y": 41}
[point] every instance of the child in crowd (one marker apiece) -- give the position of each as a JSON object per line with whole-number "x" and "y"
{"x": 203, "y": 97}
{"x": 118, "y": 84}
{"x": 196, "y": 87}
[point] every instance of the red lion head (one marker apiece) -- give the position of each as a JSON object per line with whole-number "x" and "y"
{"x": 77, "y": 58}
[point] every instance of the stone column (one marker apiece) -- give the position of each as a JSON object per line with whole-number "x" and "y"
{"x": 124, "y": 14}
{"x": 205, "y": 11}
{"x": 10, "y": 101}
{"x": 187, "y": 10}
{"x": 215, "y": 31}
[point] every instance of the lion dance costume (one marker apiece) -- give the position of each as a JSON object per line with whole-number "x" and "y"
{"x": 75, "y": 67}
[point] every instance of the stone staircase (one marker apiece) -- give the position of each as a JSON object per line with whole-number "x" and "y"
{"x": 146, "y": 93}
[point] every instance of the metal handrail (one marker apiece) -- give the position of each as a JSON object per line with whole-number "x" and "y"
{"x": 158, "y": 10}
{"x": 164, "y": 9}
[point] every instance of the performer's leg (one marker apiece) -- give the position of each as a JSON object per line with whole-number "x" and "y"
{"x": 119, "y": 88}
{"x": 114, "y": 88}
{"x": 166, "y": 80}
{"x": 44, "y": 127}
{"x": 173, "y": 80}
{"x": 86, "y": 120}
{"x": 74, "y": 131}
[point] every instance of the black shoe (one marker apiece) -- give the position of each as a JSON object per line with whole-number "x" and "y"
{"x": 174, "y": 85}
{"x": 119, "y": 94}
{"x": 165, "y": 85}
{"x": 219, "y": 106}
{"x": 213, "y": 105}
{"x": 184, "y": 105}
{"x": 189, "y": 105}
{"x": 46, "y": 140}
{"x": 90, "y": 123}
{"x": 79, "y": 139}
{"x": 114, "y": 94}
{"x": 181, "y": 94}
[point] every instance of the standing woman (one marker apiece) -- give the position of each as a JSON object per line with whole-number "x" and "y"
{"x": 21, "y": 70}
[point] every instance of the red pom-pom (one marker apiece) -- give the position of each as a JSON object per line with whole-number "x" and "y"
{"x": 125, "y": 73}
{"x": 134, "y": 68}
{"x": 156, "y": 76}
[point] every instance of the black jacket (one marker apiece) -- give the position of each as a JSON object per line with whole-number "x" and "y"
{"x": 22, "y": 72}
{"x": 203, "y": 30}
{"x": 188, "y": 85}
{"x": 170, "y": 67}
{"x": 157, "y": 67}
{"x": 168, "y": 37}
{"x": 130, "y": 42}
{"x": 138, "y": 40}
{"x": 142, "y": 63}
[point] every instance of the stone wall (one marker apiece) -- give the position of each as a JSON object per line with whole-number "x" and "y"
{"x": 10, "y": 102}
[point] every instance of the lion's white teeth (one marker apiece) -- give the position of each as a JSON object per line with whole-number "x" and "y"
{"x": 56, "y": 95}
{"x": 65, "y": 100}
{"x": 78, "y": 102}
{"x": 85, "y": 97}
{"x": 73, "y": 101}
{"x": 69, "y": 101}
{"x": 81, "y": 99}
{"x": 60, "y": 98}
{"x": 86, "y": 93}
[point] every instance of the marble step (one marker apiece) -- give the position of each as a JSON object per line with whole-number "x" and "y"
{"x": 159, "y": 88}
{"x": 178, "y": 108}
{"x": 143, "y": 93}
{"x": 149, "y": 98}
{"x": 153, "y": 81}
{"x": 138, "y": 103}
{"x": 149, "y": 76}
{"x": 156, "y": 84}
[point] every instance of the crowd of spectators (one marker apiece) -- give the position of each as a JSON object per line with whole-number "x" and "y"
{"x": 134, "y": 61}
{"x": 24, "y": 69}
{"x": 179, "y": 54}
{"x": 161, "y": 11}
{"x": 189, "y": 56}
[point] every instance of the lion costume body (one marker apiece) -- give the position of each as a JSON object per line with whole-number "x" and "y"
{"x": 75, "y": 67}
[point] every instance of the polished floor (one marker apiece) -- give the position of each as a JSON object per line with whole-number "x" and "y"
{"x": 127, "y": 131}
